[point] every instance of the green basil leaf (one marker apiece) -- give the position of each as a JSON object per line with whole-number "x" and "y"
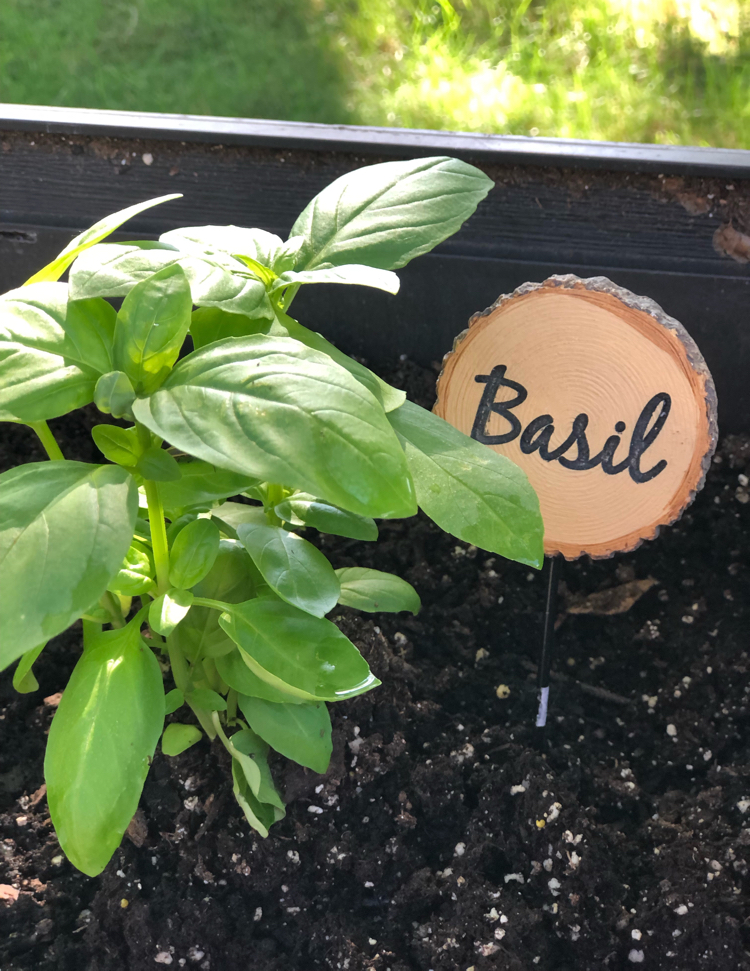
{"x": 390, "y": 398}
{"x": 94, "y": 234}
{"x": 299, "y": 732}
{"x": 210, "y": 324}
{"x": 119, "y": 445}
{"x": 64, "y": 530}
{"x": 302, "y": 509}
{"x": 43, "y": 370}
{"x": 353, "y": 273}
{"x": 230, "y": 580}
{"x": 384, "y": 215}
{"x": 151, "y": 328}
{"x": 376, "y": 592}
{"x": 113, "y": 269}
{"x": 222, "y": 241}
{"x": 207, "y": 699}
{"x": 294, "y": 569}
{"x": 233, "y": 514}
{"x": 234, "y": 672}
{"x": 179, "y": 738}
{"x": 135, "y": 575}
{"x": 114, "y": 395}
{"x": 23, "y": 677}
{"x": 200, "y": 485}
{"x": 90, "y": 325}
{"x": 158, "y": 465}
{"x": 168, "y": 610}
{"x": 276, "y": 410}
{"x": 249, "y": 746}
{"x": 193, "y": 553}
{"x": 101, "y": 742}
{"x": 296, "y": 653}
{"x": 468, "y": 489}
{"x": 174, "y": 699}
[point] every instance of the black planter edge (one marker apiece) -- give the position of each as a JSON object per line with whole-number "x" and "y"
{"x": 407, "y": 142}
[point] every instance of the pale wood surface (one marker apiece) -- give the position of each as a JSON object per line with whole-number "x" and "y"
{"x": 590, "y": 347}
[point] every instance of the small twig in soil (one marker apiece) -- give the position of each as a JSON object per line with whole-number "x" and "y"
{"x": 590, "y": 689}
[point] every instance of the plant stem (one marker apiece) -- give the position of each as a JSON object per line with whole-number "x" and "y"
{"x": 289, "y": 294}
{"x": 231, "y": 706}
{"x": 112, "y": 604}
{"x": 90, "y": 628}
{"x": 216, "y": 604}
{"x": 180, "y": 670}
{"x": 274, "y": 495}
{"x": 184, "y": 681}
{"x": 159, "y": 544}
{"x": 48, "y": 440}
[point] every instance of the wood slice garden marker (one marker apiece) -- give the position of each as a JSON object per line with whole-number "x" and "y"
{"x": 599, "y": 396}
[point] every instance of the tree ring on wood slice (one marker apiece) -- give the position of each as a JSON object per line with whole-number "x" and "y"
{"x": 599, "y": 396}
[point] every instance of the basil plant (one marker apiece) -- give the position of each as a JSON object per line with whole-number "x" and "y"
{"x": 192, "y": 603}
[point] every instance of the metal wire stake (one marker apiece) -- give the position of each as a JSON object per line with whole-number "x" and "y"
{"x": 548, "y": 638}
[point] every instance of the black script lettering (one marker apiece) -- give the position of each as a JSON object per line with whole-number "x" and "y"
{"x": 607, "y": 454}
{"x": 538, "y": 433}
{"x": 496, "y": 380}
{"x": 581, "y": 462}
{"x": 643, "y": 439}
{"x": 542, "y": 428}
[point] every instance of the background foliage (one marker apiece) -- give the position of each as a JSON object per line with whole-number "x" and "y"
{"x": 667, "y": 71}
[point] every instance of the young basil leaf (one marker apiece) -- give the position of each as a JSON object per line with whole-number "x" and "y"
{"x": 23, "y": 677}
{"x": 302, "y": 509}
{"x": 179, "y": 738}
{"x": 259, "y": 815}
{"x": 213, "y": 241}
{"x": 230, "y": 580}
{"x": 101, "y": 742}
{"x": 296, "y": 653}
{"x": 193, "y": 553}
{"x": 94, "y": 234}
{"x": 135, "y": 575}
{"x": 200, "y": 485}
{"x": 119, "y": 445}
{"x": 233, "y": 514}
{"x": 113, "y": 269}
{"x": 207, "y": 699}
{"x": 384, "y": 215}
{"x": 210, "y": 324}
{"x": 114, "y": 395}
{"x": 151, "y": 328}
{"x": 173, "y": 700}
{"x": 90, "y": 325}
{"x": 234, "y": 672}
{"x": 354, "y": 273}
{"x": 64, "y": 530}
{"x": 166, "y": 612}
{"x": 43, "y": 371}
{"x": 158, "y": 465}
{"x": 294, "y": 569}
{"x": 296, "y": 418}
{"x": 390, "y": 398}
{"x": 299, "y": 732}
{"x": 468, "y": 489}
{"x": 376, "y": 592}
{"x": 250, "y": 747}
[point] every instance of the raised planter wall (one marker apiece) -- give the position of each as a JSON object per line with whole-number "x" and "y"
{"x": 669, "y": 222}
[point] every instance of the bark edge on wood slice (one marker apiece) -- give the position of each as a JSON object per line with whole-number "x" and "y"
{"x": 587, "y": 347}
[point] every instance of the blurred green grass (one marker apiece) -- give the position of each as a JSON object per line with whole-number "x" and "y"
{"x": 666, "y": 71}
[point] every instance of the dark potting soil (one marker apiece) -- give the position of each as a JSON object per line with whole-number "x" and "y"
{"x": 449, "y": 833}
